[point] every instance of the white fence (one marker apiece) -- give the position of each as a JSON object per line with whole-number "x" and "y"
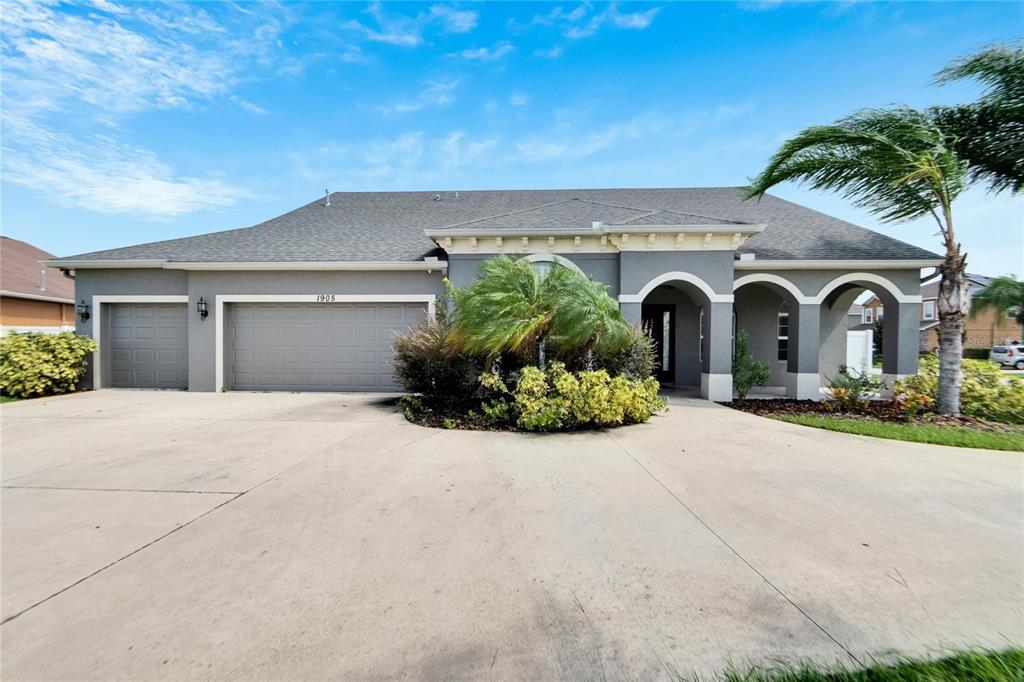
{"x": 859, "y": 345}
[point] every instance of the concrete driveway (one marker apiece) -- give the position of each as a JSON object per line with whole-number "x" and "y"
{"x": 175, "y": 535}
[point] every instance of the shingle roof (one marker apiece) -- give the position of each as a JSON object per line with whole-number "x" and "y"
{"x": 20, "y": 266}
{"x": 388, "y": 226}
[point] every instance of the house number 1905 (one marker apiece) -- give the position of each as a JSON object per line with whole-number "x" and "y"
{"x": 325, "y": 298}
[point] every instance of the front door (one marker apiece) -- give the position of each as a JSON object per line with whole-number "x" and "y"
{"x": 660, "y": 321}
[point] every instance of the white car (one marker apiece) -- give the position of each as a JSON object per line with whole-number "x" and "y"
{"x": 1008, "y": 356}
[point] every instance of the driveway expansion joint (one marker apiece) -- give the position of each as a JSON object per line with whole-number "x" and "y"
{"x": 732, "y": 549}
{"x": 124, "y": 490}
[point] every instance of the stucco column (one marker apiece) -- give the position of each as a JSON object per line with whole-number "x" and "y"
{"x": 803, "y": 377}
{"x": 630, "y": 312}
{"x": 901, "y": 341}
{"x": 716, "y": 368}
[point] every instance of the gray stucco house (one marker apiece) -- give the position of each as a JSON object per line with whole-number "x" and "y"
{"x": 309, "y": 301}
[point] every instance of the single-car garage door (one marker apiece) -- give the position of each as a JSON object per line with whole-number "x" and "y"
{"x": 317, "y": 346}
{"x": 149, "y": 345}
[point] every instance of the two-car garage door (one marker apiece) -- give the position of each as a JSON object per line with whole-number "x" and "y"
{"x": 316, "y": 346}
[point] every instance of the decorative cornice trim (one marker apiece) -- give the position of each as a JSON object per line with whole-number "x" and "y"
{"x": 835, "y": 264}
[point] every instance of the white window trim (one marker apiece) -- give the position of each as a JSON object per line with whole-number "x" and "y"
{"x": 96, "y": 313}
{"x": 668, "y": 278}
{"x": 869, "y": 315}
{"x": 780, "y": 337}
{"x": 924, "y": 309}
{"x": 221, "y": 299}
{"x": 553, "y": 258}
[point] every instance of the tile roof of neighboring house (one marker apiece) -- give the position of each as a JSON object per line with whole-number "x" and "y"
{"x": 387, "y": 226}
{"x": 20, "y": 272}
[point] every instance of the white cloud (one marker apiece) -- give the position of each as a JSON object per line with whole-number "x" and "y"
{"x": 249, "y": 106}
{"x": 353, "y": 54}
{"x": 575, "y": 25}
{"x": 553, "y": 53}
{"x": 435, "y": 94}
{"x": 104, "y": 175}
{"x": 454, "y": 20}
{"x": 457, "y": 151}
{"x": 70, "y": 71}
{"x": 636, "y": 21}
{"x": 488, "y": 54}
{"x": 518, "y": 100}
{"x": 566, "y": 145}
{"x": 407, "y": 31}
{"x": 407, "y": 160}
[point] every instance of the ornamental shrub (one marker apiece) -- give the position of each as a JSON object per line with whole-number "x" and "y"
{"x": 636, "y": 359}
{"x": 426, "y": 364}
{"x": 38, "y": 364}
{"x": 746, "y": 371}
{"x": 851, "y": 390}
{"x": 557, "y": 399}
{"x": 983, "y": 393}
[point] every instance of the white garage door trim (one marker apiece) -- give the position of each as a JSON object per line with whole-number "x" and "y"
{"x": 326, "y": 298}
{"x": 97, "y": 325}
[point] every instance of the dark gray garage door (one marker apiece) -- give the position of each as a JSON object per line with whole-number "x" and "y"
{"x": 149, "y": 345}
{"x": 317, "y": 347}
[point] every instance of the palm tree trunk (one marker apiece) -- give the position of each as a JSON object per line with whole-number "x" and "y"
{"x": 952, "y": 305}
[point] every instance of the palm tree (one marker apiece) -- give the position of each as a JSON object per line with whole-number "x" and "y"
{"x": 899, "y": 165}
{"x": 1004, "y": 296}
{"x": 515, "y": 307}
{"x": 989, "y": 132}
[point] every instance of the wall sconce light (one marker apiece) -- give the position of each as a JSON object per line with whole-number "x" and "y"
{"x": 83, "y": 310}
{"x": 201, "y": 308}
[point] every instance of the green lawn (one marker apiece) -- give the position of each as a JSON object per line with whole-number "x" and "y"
{"x": 956, "y": 436}
{"x": 972, "y": 666}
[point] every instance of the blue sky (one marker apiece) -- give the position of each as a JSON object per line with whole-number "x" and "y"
{"x": 132, "y": 122}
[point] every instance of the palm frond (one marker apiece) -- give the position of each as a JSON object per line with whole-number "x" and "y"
{"x": 895, "y": 163}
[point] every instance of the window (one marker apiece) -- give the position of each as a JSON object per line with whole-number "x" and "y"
{"x": 700, "y": 335}
{"x": 929, "y": 310}
{"x": 783, "y": 333}
{"x": 878, "y": 313}
{"x": 666, "y": 340}
{"x": 869, "y": 315}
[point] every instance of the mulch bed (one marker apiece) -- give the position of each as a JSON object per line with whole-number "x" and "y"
{"x": 875, "y": 411}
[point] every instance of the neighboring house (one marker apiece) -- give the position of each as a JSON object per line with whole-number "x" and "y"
{"x": 309, "y": 301}
{"x": 988, "y": 328}
{"x": 855, "y": 317}
{"x": 33, "y": 297}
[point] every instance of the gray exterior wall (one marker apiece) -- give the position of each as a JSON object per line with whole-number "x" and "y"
{"x": 687, "y": 337}
{"x": 637, "y": 268}
{"x": 210, "y": 284}
{"x": 756, "y": 306}
{"x": 89, "y": 283}
{"x": 757, "y": 313}
{"x": 603, "y": 267}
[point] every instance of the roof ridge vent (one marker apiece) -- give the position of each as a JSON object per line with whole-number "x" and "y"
{"x": 327, "y": 194}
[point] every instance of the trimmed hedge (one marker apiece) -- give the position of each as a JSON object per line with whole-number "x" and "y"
{"x": 38, "y": 364}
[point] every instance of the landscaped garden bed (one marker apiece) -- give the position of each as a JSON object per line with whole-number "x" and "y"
{"x": 526, "y": 349}
{"x": 992, "y": 418}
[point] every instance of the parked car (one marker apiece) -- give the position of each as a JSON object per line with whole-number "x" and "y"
{"x": 1008, "y": 356}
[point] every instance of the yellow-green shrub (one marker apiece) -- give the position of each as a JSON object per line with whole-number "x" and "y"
{"x": 37, "y": 364}
{"x": 982, "y": 393}
{"x": 557, "y": 399}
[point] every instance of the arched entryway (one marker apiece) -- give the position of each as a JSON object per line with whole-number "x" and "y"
{"x": 692, "y": 327}
{"x": 801, "y": 334}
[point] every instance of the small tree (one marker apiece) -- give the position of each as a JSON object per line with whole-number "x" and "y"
{"x": 746, "y": 371}
{"x": 512, "y": 307}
